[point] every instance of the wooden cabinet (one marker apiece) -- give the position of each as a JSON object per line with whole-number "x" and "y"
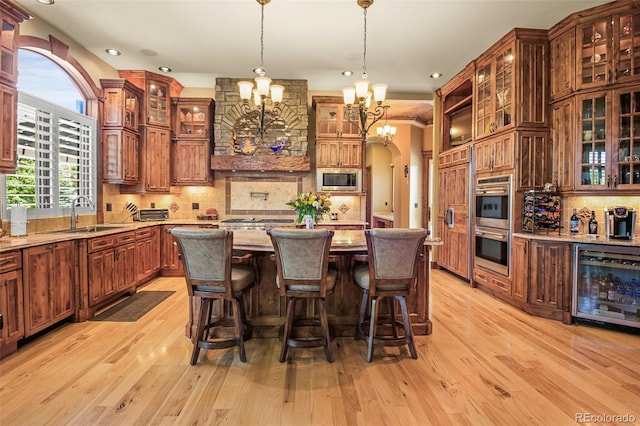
{"x": 11, "y": 302}
{"x": 563, "y": 137}
{"x": 379, "y": 222}
{"x": 147, "y": 253}
{"x": 550, "y": 279}
{"x": 520, "y": 268}
{"x": 155, "y": 130}
{"x": 332, "y": 119}
{"x": 121, "y": 104}
{"x": 496, "y": 154}
{"x": 120, "y": 159}
{"x": 511, "y": 83}
{"x": 339, "y": 153}
{"x": 496, "y": 284}
{"x": 191, "y": 149}
{"x": 48, "y": 285}
{"x": 170, "y": 259}
{"x": 563, "y": 58}
{"x": 533, "y": 160}
{"x": 608, "y": 49}
{"x": 155, "y": 166}
{"x": 111, "y": 266}
{"x": 456, "y": 98}
{"x": 453, "y": 219}
{"x": 8, "y": 128}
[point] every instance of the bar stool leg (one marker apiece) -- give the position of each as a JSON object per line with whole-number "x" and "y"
{"x": 202, "y": 329}
{"x": 363, "y": 312}
{"x": 372, "y": 328}
{"x": 239, "y": 327}
{"x": 287, "y": 328}
{"x": 326, "y": 335}
{"x": 407, "y": 326}
{"x": 392, "y": 312}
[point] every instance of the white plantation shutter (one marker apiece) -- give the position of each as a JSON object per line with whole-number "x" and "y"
{"x": 56, "y": 158}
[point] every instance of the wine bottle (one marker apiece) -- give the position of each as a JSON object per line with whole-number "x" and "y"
{"x": 593, "y": 223}
{"x": 573, "y": 223}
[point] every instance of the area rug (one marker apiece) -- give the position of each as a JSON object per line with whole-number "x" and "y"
{"x": 133, "y": 308}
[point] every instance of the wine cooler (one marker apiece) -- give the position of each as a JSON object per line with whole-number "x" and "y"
{"x": 606, "y": 284}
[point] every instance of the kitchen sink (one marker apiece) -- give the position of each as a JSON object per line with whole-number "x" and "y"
{"x": 85, "y": 229}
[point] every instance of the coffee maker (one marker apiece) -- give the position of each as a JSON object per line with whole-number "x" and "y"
{"x": 620, "y": 223}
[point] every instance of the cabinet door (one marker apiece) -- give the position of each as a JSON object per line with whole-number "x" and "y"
{"x": 157, "y": 157}
{"x": 328, "y": 153}
{"x": 550, "y": 273}
{"x": 626, "y": 140}
{"x": 593, "y": 151}
{"x": 125, "y": 267}
{"x": 101, "y": 275}
{"x": 9, "y": 30}
{"x": 48, "y": 285}
{"x": 113, "y": 112}
{"x": 495, "y": 154}
{"x": 157, "y": 99}
{"x": 535, "y": 161}
{"x": 562, "y": 68}
{"x": 148, "y": 255}
{"x": 8, "y": 128}
{"x": 334, "y": 120}
{"x": 11, "y": 307}
{"x": 483, "y": 100}
{"x": 120, "y": 156}
{"x": 562, "y": 134}
{"x": 193, "y": 118}
{"x": 593, "y": 54}
{"x": 171, "y": 263}
{"x": 191, "y": 162}
{"x": 351, "y": 154}
{"x": 520, "y": 268}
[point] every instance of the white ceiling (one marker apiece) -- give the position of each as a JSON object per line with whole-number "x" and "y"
{"x": 313, "y": 40}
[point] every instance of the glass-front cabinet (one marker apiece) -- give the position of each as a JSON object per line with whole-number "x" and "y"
{"x": 157, "y": 103}
{"x": 627, "y": 143}
{"x": 608, "y": 50}
{"x": 606, "y": 284}
{"x": 494, "y": 92}
{"x": 593, "y": 149}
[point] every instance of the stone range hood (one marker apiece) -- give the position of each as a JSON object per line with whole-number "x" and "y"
{"x": 227, "y": 110}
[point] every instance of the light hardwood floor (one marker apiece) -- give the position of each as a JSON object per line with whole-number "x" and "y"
{"x": 485, "y": 363}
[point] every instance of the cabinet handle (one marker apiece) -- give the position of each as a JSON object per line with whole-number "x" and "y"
{"x": 609, "y": 76}
{"x": 608, "y": 181}
{"x": 5, "y": 262}
{"x": 615, "y": 181}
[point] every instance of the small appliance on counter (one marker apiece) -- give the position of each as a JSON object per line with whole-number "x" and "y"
{"x": 147, "y": 215}
{"x": 620, "y": 223}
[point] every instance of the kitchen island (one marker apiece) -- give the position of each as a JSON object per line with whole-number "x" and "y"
{"x": 266, "y": 309}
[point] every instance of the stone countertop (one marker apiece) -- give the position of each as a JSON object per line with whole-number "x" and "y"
{"x": 246, "y": 239}
{"x": 577, "y": 239}
{"x": 384, "y": 215}
{"x": 342, "y": 222}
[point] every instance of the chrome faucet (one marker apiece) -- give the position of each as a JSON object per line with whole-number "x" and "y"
{"x": 74, "y": 216}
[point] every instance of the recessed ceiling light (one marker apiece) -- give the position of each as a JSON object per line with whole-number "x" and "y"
{"x": 436, "y": 75}
{"x": 347, "y": 73}
{"x": 48, "y": 2}
{"x": 112, "y": 52}
{"x": 164, "y": 69}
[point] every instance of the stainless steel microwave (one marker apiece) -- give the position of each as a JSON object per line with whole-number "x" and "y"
{"x": 339, "y": 180}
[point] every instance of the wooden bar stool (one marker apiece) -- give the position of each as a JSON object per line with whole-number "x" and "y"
{"x": 211, "y": 275}
{"x": 390, "y": 271}
{"x": 303, "y": 273}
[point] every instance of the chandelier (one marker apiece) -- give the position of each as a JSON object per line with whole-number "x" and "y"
{"x": 361, "y": 93}
{"x": 257, "y": 115}
{"x": 386, "y": 132}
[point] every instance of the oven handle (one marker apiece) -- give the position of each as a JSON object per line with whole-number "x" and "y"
{"x": 495, "y": 235}
{"x": 493, "y": 190}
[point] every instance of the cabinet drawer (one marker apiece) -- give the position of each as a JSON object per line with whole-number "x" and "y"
{"x": 494, "y": 282}
{"x": 10, "y": 261}
{"x": 126, "y": 237}
{"x": 101, "y": 243}
{"x": 145, "y": 232}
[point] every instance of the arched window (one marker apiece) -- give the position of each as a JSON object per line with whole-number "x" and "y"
{"x": 57, "y": 142}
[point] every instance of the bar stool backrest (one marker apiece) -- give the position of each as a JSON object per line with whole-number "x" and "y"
{"x": 302, "y": 258}
{"x": 206, "y": 255}
{"x": 394, "y": 255}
